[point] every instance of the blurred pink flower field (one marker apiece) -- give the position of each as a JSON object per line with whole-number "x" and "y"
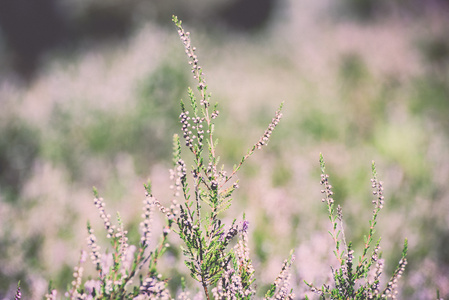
{"x": 359, "y": 83}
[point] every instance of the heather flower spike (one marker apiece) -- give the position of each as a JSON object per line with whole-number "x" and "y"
{"x": 18, "y": 293}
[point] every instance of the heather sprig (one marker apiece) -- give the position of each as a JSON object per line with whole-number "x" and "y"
{"x": 357, "y": 280}
{"x": 18, "y": 292}
{"x": 199, "y": 226}
{"x": 118, "y": 270}
{"x": 281, "y": 289}
{"x": 77, "y": 278}
{"x": 236, "y": 281}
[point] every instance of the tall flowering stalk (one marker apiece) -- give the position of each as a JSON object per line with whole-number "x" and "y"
{"x": 205, "y": 236}
{"x": 357, "y": 280}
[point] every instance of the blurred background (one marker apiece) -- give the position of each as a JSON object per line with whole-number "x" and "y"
{"x": 89, "y": 96}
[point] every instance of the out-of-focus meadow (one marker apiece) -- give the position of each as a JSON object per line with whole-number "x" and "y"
{"x": 89, "y": 96}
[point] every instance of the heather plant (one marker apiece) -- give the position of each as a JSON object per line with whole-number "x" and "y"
{"x": 203, "y": 233}
{"x": 206, "y": 190}
{"x": 216, "y": 254}
{"x": 357, "y": 280}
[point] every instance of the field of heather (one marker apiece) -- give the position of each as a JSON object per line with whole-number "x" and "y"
{"x": 94, "y": 100}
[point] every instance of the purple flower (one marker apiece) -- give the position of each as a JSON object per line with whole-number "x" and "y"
{"x": 18, "y": 293}
{"x": 245, "y": 225}
{"x": 222, "y": 237}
